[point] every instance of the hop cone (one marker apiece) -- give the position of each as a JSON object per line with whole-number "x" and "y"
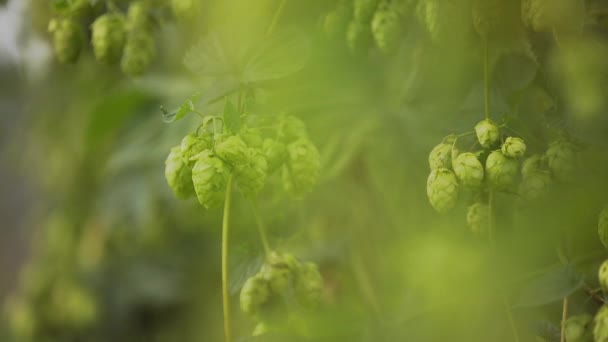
{"x": 561, "y": 159}
{"x": 302, "y": 167}
{"x": 531, "y": 165}
{"x": 275, "y": 154}
{"x": 386, "y": 27}
{"x": 578, "y": 328}
{"x": 210, "y": 177}
{"x": 534, "y": 184}
{"x": 534, "y": 14}
{"x": 364, "y": 10}
{"x": 603, "y": 276}
{"x": 251, "y": 175}
{"x": 232, "y": 150}
{"x": 441, "y": 156}
{"x": 494, "y": 18}
{"x": 487, "y": 133}
{"x": 67, "y": 39}
{"x": 446, "y": 21}
{"x": 478, "y": 218}
{"x": 138, "y": 53}
{"x": 255, "y": 293}
{"x": 358, "y": 36}
{"x": 291, "y": 129}
{"x": 279, "y": 271}
{"x": 186, "y": 9}
{"x": 179, "y": 174}
{"x": 442, "y": 189}
{"x": 138, "y": 17}
{"x": 252, "y": 137}
{"x": 468, "y": 169}
{"x": 192, "y": 145}
{"x": 309, "y": 285}
{"x": 602, "y": 226}
{"x": 501, "y": 171}
{"x": 336, "y": 21}
{"x": 600, "y": 331}
{"x": 108, "y": 37}
{"x": 514, "y": 147}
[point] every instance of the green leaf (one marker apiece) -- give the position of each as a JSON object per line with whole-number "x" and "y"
{"x": 232, "y": 119}
{"x": 549, "y": 286}
{"x": 209, "y": 57}
{"x": 181, "y": 112}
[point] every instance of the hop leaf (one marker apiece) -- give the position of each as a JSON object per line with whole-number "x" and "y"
{"x": 602, "y": 226}
{"x": 501, "y": 171}
{"x": 254, "y": 294}
{"x": 358, "y": 36}
{"x": 309, "y": 285}
{"x": 441, "y": 155}
{"x": 478, "y": 218}
{"x": 108, "y": 37}
{"x": 469, "y": 170}
{"x": 67, "y": 39}
{"x": 302, "y": 167}
{"x": 232, "y": 149}
{"x": 364, "y": 10}
{"x": 210, "y": 177}
{"x": 534, "y": 184}
{"x": 514, "y": 147}
{"x": 561, "y": 159}
{"x": 442, "y": 189}
{"x": 138, "y": 53}
{"x": 275, "y": 153}
{"x": 487, "y": 133}
{"x": 386, "y": 27}
{"x": 600, "y": 331}
{"x": 251, "y": 175}
{"x": 179, "y": 174}
{"x": 280, "y": 271}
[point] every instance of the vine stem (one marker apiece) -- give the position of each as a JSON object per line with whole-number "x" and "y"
{"x": 225, "y": 234}
{"x": 486, "y": 79}
{"x": 564, "y": 316}
{"x": 260, "y": 225}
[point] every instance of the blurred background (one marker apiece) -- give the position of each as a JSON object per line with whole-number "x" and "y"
{"x": 95, "y": 247}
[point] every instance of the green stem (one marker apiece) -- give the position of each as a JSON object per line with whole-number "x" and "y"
{"x": 275, "y": 18}
{"x": 564, "y": 317}
{"x": 225, "y": 231}
{"x": 486, "y": 79}
{"x": 260, "y": 225}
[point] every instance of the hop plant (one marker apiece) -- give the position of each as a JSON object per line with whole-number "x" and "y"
{"x": 501, "y": 171}
{"x": 108, "y": 37}
{"x": 275, "y": 153}
{"x": 441, "y": 155}
{"x": 600, "y": 330}
{"x": 254, "y": 293}
{"x": 561, "y": 159}
{"x": 469, "y": 170}
{"x": 442, "y": 189}
{"x": 186, "y": 9}
{"x": 578, "y": 328}
{"x": 602, "y": 226}
{"x": 309, "y": 285}
{"x": 68, "y": 36}
{"x": 534, "y": 184}
{"x": 514, "y": 147}
{"x": 487, "y": 133}
{"x": 478, "y": 218}
{"x": 302, "y": 167}
{"x": 279, "y": 271}
{"x": 386, "y": 27}
{"x": 251, "y": 175}
{"x": 364, "y": 10}
{"x": 358, "y": 36}
{"x": 138, "y": 53}
{"x": 232, "y": 150}
{"x": 210, "y": 177}
{"x": 179, "y": 174}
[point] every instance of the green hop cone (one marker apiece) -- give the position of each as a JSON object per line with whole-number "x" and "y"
{"x": 603, "y": 276}
{"x": 186, "y": 9}
{"x": 487, "y": 133}
{"x": 309, "y": 285}
{"x": 254, "y": 294}
{"x": 386, "y": 27}
{"x": 534, "y": 184}
{"x": 252, "y": 137}
{"x": 138, "y": 17}
{"x": 531, "y": 165}
{"x": 514, "y": 147}
{"x": 251, "y": 175}
{"x": 192, "y": 145}
{"x": 108, "y": 37}
{"x": 336, "y": 21}
{"x": 210, "y": 177}
{"x": 561, "y": 159}
{"x": 138, "y": 53}
{"x": 442, "y": 189}
{"x": 179, "y": 174}
{"x": 302, "y": 167}
{"x": 579, "y": 328}
{"x": 602, "y": 226}
{"x": 501, "y": 171}
{"x": 478, "y": 218}
{"x": 468, "y": 169}
{"x": 232, "y": 149}
{"x": 358, "y": 36}
{"x": 441, "y": 156}
{"x": 279, "y": 271}
{"x": 67, "y": 39}
{"x": 534, "y": 15}
{"x": 291, "y": 129}
{"x": 275, "y": 153}
{"x": 364, "y": 10}
{"x": 445, "y": 21}
{"x": 600, "y": 330}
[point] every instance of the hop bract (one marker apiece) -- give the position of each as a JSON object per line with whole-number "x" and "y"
{"x": 602, "y": 226}
{"x": 108, "y": 37}
{"x": 386, "y": 27}
{"x": 487, "y": 133}
{"x": 600, "y": 331}
{"x": 441, "y": 156}
{"x": 478, "y": 218}
{"x": 275, "y": 153}
{"x": 210, "y": 177}
{"x": 67, "y": 39}
{"x": 514, "y": 147}
{"x": 561, "y": 159}
{"x": 534, "y": 184}
{"x": 501, "y": 171}
{"x": 192, "y": 145}
{"x": 232, "y": 149}
{"x": 179, "y": 174}
{"x": 309, "y": 285}
{"x": 442, "y": 189}
{"x": 251, "y": 175}
{"x": 139, "y": 52}
{"x": 302, "y": 167}
{"x": 469, "y": 170}
{"x": 254, "y": 294}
